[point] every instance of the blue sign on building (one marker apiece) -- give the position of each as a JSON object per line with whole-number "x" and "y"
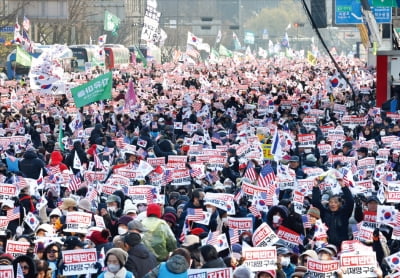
{"x": 349, "y": 12}
{"x": 7, "y": 29}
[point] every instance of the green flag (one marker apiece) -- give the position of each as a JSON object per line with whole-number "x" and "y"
{"x": 111, "y": 22}
{"x": 384, "y": 3}
{"x": 23, "y": 57}
{"x": 61, "y": 136}
{"x": 223, "y": 51}
{"x": 141, "y": 57}
{"x": 94, "y": 90}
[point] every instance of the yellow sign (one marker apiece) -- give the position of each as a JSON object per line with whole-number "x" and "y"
{"x": 267, "y": 151}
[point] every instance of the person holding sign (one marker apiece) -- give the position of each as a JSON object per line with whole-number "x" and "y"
{"x": 337, "y": 215}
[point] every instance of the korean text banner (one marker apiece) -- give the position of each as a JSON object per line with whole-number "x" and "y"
{"x": 92, "y": 91}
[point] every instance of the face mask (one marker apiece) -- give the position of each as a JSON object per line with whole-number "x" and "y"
{"x": 114, "y": 268}
{"x": 275, "y": 219}
{"x": 285, "y": 261}
{"x": 382, "y": 133}
{"x": 38, "y": 130}
{"x": 122, "y": 230}
{"x": 112, "y": 209}
{"x": 151, "y": 155}
{"x": 210, "y": 210}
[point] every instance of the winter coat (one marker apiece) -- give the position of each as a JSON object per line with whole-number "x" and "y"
{"x": 159, "y": 237}
{"x": 175, "y": 267}
{"x": 140, "y": 260}
{"x": 122, "y": 273}
{"x": 336, "y": 221}
{"x": 216, "y": 263}
{"x": 31, "y": 165}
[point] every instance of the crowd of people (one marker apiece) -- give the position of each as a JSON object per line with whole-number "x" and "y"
{"x": 273, "y": 141}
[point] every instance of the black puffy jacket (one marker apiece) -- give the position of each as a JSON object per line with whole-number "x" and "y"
{"x": 337, "y": 221}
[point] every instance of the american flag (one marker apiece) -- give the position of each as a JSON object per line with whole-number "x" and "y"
{"x": 26, "y": 23}
{"x": 195, "y": 172}
{"x": 212, "y": 177}
{"x": 212, "y": 238}
{"x": 194, "y": 214}
{"x": 20, "y": 182}
{"x": 254, "y": 211}
{"x": 75, "y": 182}
{"x": 185, "y": 230}
{"x": 167, "y": 176}
{"x": 233, "y": 236}
{"x": 216, "y": 138}
{"x": 52, "y": 170}
{"x": 251, "y": 172}
{"x": 238, "y": 196}
{"x": 267, "y": 176}
{"x": 13, "y": 214}
{"x": 151, "y": 195}
{"x": 98, "y": 164}
{"x": 92, "y": 194}
{"x": 306, "y": 221}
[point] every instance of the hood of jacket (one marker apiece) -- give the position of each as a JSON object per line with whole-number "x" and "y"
{"x": 56, "y": 158}
{"x": 140, "y": 251}
{"x": 177, "y": 264}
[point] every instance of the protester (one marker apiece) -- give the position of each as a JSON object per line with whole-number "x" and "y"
{"x": 115, "y": 261}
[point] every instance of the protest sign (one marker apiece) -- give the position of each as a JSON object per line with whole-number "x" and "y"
{"x": 80, "y": 261}
{"x": 243, "y": 224}
{"x": 92, "y": 91}
{"x": 260, "y": 258}
{"x": 143, "y": 194}
{"x": 223, "y": 201}
{"x": 180, "y": 177}
{"x": 323, "y": 269}
{"x": 78, "y": 222}
{"x": 358, "y": 265}
{"x": 210, "y": 273}
{"x": 6, "y": 271}
{"x": 264, "y": 236}
{"x": 17, "y": 248}
{"x": 289, "y": 238}
{"x": 7, "y": 191}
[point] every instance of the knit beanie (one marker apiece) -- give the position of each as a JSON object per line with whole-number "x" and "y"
{"x": 154, "y": 209}
{"x": 169, "y": 217}
{"x": 121, "y": 255}
{"x": 125, "y": 220}
{"x": 98, "y": 237}
{"x": 313, "y": 211}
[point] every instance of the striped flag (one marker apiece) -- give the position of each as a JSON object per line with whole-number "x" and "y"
{"x": 276, "y": 148}
{"x": 185, "y": 230}
{"x": 52, "y": 170}
{"x": 13, "y": 214}
{"x": 238, "y": 196}
{"x": 151, "y": 195}
{"x": 26, "y": 23}
{"x": 251, "y": 172}
{"x": 98, "y": 164}
{"x": 194, "y": 214}
{"x": 75, "y": 182}
{"x": 267, "y": 176}
{"x": 212, "y": 238}
{"x": 92, "y": 194}
{"x": 233, "y": 236}
{"x": 167, "y": 176}
{"x": 306, "y": 221}
{"x": 195, "y": 172}
{"x": 254, "y": 211}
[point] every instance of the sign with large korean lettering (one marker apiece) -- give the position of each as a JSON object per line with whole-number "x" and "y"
{"x": 94, "y": 90}
{"x": 6, "y": 271}
{"x": 260, "y": 258}
{"x": 81, "y": 261}
{"x": 242, "y": 224}
{"x": 78, "y": 222}
{"x": 221, "y": 200}
{"x": 264, "y": 236}
{"x": 323, "y": 269}
{"x": 210, "y": 273}
{"x": 358, "y": 265}
{"x": 17, "y": 248}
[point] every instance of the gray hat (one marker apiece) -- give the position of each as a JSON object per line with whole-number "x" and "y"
{"x": 113, "y": 198}
{"x": 283, "y": 251}
{"x": 121, "y": 255}
{"x": 311, "y": 157}
{"x": 136, "y": 225}
{"x": 294, "y": 158}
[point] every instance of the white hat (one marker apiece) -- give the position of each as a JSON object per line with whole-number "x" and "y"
{"x": 190, "y": 240}
{"x": 8, "y": 203}
{"x": 129, "y": 208}
{"x": 56, "y": 212}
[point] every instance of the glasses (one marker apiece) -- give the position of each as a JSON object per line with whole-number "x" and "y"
{"x": 24, "y": 267}
{"x": 53, "y": 251}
